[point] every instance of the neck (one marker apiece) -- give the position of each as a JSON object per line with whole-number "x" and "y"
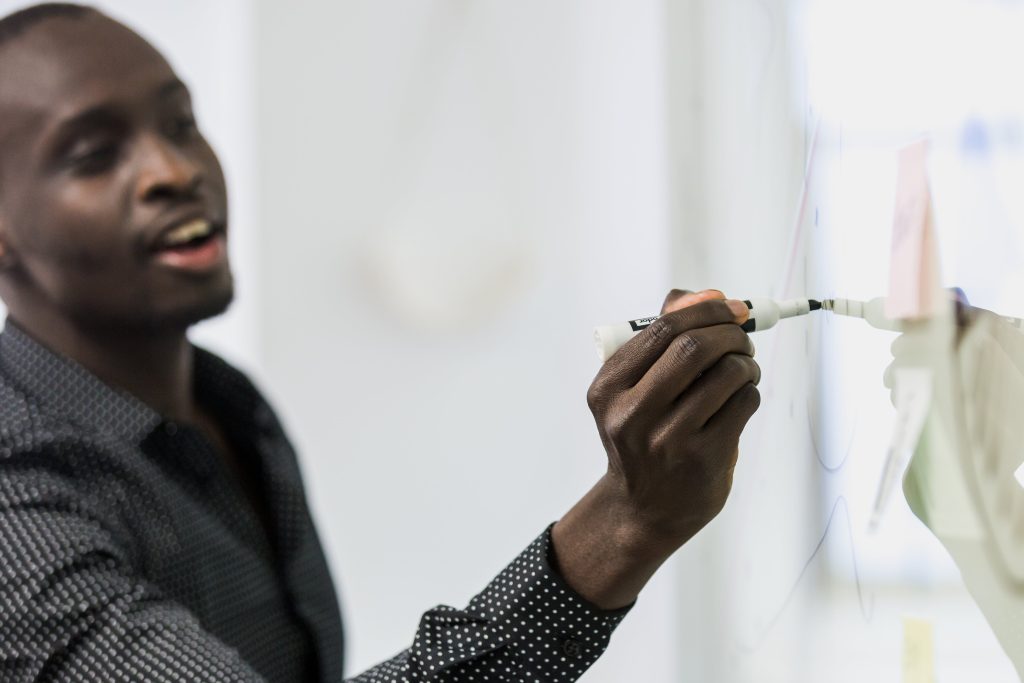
{"x": 155, "y": 366}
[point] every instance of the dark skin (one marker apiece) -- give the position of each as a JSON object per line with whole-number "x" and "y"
{"x": 80, "y": 202}
{"x": 101, "y": 153}
{"x": 670, "y": 406}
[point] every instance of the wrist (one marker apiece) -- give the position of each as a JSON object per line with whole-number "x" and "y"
{"x": 636, "y": 529}
{"x": 604, "y": 550}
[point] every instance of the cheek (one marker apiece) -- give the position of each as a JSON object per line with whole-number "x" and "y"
{"x": 214, "y": 170}
{"x": 79, "y": 228}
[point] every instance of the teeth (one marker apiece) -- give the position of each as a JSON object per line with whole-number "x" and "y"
{"x": 187, "y": 232}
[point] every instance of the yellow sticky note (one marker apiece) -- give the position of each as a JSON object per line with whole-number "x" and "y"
{"x": 918, "y": 651}
{"x": 914, "y": 280}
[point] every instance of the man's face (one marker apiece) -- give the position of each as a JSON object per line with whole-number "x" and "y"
{"x": 113, "y": 211}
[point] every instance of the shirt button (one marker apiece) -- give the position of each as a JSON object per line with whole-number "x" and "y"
{"x": 170, "y": 429}
{"x": 572, "y": 648}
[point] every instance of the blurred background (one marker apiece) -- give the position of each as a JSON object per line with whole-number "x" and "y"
{"x": 434, "y": 202}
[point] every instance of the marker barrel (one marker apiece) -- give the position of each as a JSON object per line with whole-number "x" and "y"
{"x": 764, "y": 314}
{"x": 873, "y": 311}
{"x": 610, "y": 338}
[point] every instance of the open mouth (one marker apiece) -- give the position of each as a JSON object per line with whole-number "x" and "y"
{"x": 191, "y": 235}
{"x": 194, "y": 245}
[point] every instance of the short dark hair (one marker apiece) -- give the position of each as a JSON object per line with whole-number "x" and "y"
{"x": 13, "y": 25}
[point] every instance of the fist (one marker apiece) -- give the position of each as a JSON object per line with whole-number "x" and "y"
{"x": 670, "y": 406}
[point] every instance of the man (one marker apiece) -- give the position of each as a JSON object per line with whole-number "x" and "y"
{"x": 153, "y": 524}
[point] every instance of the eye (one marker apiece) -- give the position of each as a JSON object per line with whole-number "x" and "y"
{"x": 94, "y": 160}
{"x": 181, "y": 127}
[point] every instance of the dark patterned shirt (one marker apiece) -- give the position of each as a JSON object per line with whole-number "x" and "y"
{"x": 129, "y": 552}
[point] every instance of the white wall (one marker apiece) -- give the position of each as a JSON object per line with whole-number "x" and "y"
{"x": 453, "y": 194}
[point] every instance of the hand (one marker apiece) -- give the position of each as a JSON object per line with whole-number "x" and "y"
{"x": 909, "y": 350}
{"x": 670, "y": 407}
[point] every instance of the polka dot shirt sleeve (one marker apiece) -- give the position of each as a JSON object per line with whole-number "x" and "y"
{"x": 527, "y": 626}
{"x": 73, "y": 610}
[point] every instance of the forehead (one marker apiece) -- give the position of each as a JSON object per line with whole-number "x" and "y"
{"x": 65, "y": 64}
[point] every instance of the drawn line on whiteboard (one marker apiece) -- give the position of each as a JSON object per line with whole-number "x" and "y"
{"x": 831, "y": 469}
{"x": 801, "y": 212}
{"x": 867, "y": 608}
{"x": 813, "y": 417}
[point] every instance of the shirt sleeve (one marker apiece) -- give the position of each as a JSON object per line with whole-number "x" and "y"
{"x": 72, "y": 608}
{"x": 527, "y": 626}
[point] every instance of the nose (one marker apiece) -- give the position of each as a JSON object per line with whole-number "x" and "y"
{"x": 166, "y": 171}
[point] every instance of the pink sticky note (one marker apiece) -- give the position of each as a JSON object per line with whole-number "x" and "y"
{"x": 914, "y": 268}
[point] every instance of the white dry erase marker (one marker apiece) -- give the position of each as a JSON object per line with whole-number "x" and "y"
{"x": 764, "y": 313}
{"x": 873, "y": 311}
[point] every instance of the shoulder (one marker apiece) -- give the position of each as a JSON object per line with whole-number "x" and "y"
{"x": 213, "y": 372}
{"x": 233, "y": 390}
{"x": 45, "y": 453}
{"x": 22, "y": 419}
{"x": 49, "y": 466}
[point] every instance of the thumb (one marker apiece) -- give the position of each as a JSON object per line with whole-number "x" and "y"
{"x": 679, "y": 299}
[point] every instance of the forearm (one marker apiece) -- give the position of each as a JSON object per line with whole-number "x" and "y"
{"x": 527, "y": 623}
{"x": 604, "y": 552}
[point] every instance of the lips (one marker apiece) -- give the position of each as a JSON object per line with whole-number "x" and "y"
{"x": 194, "y": 230}
{"x": 193, "y": 244}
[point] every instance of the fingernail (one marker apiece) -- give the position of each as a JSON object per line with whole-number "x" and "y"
{"x": 960, "y": 295}
{"x": 716, "y": 292}
{"x": 739, "y": 309}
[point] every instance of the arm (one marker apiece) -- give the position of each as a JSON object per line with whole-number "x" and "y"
{"x": 72, "y": 607}
{"x": 526, "y": 625}
{"x": 670, "y": 407}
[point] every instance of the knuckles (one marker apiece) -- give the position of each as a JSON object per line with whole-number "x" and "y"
{"x": 750, "y": 396}
{"x": 661, "y": 330}
{"x": 623, "y": 422}
{"x": 742, "y": 367}
{"x": 687, "y": 345}
{"x": 755, "y": 370}
{"x": 595, "y": 397}
{"x": 735, "y": 365}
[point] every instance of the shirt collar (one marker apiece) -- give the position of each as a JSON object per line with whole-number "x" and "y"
{"x": 63, "y": 386}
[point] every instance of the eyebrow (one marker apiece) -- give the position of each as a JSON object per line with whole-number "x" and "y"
{"x": 94, "y": 117}
{"x": 105, "y": 114}
{"x": 171, "y": 87}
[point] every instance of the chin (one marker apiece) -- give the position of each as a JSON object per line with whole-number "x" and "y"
{"x": 167, "y": 310}
{"x": 212, "y": 305}
{"x": 177, "y": 316}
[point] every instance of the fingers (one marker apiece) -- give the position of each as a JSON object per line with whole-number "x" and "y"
{"x": 899, "y": 346}
{"x": 673, "y": 296}
{"x": 726, "y": 425}
{"x": 715, "y": 387}
{"x": 635, "y": 358}
{"x": 907, "y": 349}
{"x": 689, "y": 356}
{"x": 679, "y": 299}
